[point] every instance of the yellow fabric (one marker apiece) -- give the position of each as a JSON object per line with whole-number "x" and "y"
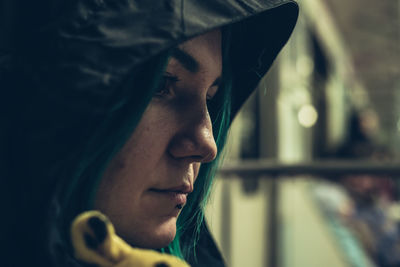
{"x": 94, "y": 241}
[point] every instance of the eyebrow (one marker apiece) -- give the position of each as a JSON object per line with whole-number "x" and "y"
{"x": 187, "y": 61}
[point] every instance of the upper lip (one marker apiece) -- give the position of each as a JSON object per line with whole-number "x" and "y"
{"x": 186, "y": 188}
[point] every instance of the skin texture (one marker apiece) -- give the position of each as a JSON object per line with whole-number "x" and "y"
{"x": 146, "y": 184}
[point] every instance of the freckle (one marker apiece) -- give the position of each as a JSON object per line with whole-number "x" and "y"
{"x": 147, "y": 129}
{"x": 121, "y": 164}
{"x": 116, "y": 165}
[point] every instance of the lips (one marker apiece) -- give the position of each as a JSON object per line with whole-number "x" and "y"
{"x": 177, "y": 195}
{"x": 178, "y": 198}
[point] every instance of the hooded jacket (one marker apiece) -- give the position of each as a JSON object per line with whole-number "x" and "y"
{"x": 63, "y": 66}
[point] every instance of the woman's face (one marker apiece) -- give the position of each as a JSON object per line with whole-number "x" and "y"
{"x": 146, "y": 185}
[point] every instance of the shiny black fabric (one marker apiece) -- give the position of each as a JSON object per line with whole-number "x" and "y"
{"x": 207, "y": 253}
{"x": 79, "y": 52}
{"x": 94, "y": 45}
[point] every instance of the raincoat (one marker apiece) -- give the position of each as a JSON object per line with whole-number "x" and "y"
{"x": 64, "y": 67}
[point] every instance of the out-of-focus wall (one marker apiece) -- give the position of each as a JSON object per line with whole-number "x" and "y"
{"x": 302, "y": 110}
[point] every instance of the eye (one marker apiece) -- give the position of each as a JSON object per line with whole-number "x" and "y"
{"x": 211, "y": 94}
{"x": 165, "y": 86}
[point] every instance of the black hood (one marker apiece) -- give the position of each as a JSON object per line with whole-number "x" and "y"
{"x": 95, "y": 45}
{"x": 77, "y": 52}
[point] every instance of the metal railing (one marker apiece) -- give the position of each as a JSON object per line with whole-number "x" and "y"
{"x": 271, "y": 169}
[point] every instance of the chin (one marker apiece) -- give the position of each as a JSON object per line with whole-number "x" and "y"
{"x": 161, "y": 243}
{"x": 155, "y": 237}
{"x": 164, "y": 236}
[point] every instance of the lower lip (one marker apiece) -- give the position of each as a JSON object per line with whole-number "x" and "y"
{"x": 176, "y": 197}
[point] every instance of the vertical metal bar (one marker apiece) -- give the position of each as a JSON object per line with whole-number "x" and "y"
{"x": 226, "y": 221}
{"x": 273, "y": 228}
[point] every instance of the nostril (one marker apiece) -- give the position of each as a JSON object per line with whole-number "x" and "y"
{"x": 197, "y": 158}
{"x": 211, "y": 156}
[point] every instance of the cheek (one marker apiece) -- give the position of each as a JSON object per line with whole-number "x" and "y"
{"x": 151, "y": 136}
{"x": 141, "y": 158}
{"x": 131, "y": 170}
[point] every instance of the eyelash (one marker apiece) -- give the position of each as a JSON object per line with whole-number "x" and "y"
{"x": 164, "y": 88}
{"x": 210, "y": 99}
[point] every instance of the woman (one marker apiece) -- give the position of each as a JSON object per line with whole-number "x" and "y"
{"x": 123, "y": 106}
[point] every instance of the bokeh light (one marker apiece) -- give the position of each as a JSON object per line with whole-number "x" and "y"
{"x": 307, "y": 116}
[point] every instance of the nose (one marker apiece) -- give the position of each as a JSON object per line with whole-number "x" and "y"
{"x": 194, "y": 141}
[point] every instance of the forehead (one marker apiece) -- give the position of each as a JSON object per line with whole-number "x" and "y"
{"x": 200, "y": 54}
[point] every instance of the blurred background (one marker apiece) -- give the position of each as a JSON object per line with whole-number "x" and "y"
{"x": 312, "y": 168}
